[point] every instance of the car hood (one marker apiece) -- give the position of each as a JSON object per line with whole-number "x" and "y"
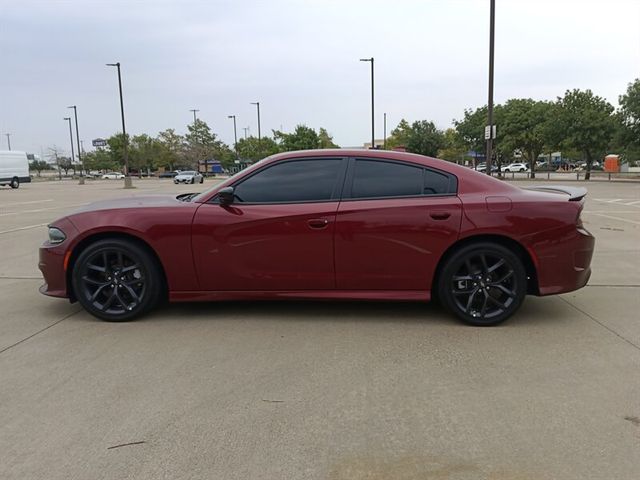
{"x": 146, "y": 201}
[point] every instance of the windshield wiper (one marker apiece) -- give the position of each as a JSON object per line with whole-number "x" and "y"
{"x": 187, "y": 197}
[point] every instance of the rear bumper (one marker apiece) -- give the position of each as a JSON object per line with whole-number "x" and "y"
{"x": 564, "y": 263}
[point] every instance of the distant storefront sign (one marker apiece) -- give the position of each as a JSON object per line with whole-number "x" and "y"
{"x": 99, "y": 142}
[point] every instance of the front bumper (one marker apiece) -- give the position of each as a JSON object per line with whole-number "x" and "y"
{"x": 53, "y": 261}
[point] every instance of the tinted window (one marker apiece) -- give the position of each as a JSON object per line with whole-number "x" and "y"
{"x": 296, "y": 181}
{"x": 436, "y": 183}
{"x": 385, "y": 179}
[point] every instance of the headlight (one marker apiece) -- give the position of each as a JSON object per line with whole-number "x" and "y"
{"x": 56, "y": 236}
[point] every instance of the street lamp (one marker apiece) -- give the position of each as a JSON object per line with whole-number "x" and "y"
{"x": 384, "y": 131}
{"x": 68, "y": 119}
{"x": 194, "y": 114}
{"x": 257, "y": 104}
{"x": 235, "y": 134}
{"x": 75, "y": 113}
{"x": 127, "y": 178}
{"x": 373, "y": 129}
{"x": 490, "y": 134}
{"x": 246, "y": 129}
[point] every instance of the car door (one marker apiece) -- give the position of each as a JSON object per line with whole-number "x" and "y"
{"x": 278, "y": 232}
{"x": 395, "y": 221}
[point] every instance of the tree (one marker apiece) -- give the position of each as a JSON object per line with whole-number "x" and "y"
{"x": 145, "y": 152}
{"x": 251, "y": 148}
{"x": 115, "y": 147}
{"x": 400, "y": 135}
{"x": 302, "y": 138}
{"x": 523, "y": 127}
{"x": 585, "y": 122}
{"x": 203, "y": 144}
{"x": 66, "y": 164}
{"x": 627, "y": 135}
{"x": 425, "y": 138}
{"x": 99, "y": 160}
{"x": 39, "y": 165}
{"x": 453, "y": 148}
{"x": 471, "y": 129}
{"x": 326, "y": 140}
{"x": 171, "y": 149}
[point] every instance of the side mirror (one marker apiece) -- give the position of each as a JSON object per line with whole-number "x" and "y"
{"x": 226, "y": 195}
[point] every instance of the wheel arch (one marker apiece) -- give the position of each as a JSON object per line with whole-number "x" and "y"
{"x": 508, "y": 242}
{"x": 92, "y": 238}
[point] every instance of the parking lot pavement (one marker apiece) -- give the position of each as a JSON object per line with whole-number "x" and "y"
{"x": 319, "y": 390}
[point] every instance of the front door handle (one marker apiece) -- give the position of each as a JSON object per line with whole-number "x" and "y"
{"x": 318, "y": 223}
{"x": 440, "y": 215}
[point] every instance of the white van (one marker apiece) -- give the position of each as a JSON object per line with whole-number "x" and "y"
{"x": 14, "y": 168}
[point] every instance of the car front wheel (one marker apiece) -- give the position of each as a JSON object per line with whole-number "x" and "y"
{"x": 15, "y": 182}
{"x": 483, "y": 284}
{"x": 116, "y": 280}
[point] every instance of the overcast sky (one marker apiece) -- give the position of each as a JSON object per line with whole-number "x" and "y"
{"x": 299, "y": 59}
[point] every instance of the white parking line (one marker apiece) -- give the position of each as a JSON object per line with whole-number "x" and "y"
{"x": 27, "y": 203}
{"x": 43, "y": 209}
{"x": 23, "y": 228}
{"x": 617, "y": 218}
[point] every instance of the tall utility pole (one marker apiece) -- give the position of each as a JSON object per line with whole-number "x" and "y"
{"x": 73, "y": 155}
{"x": 127, "y": 178}
{"x": 235, "y": 134}
{"x": 373, "y": 115}
{"x": 75, "y": 113}
{"x": 246, "y": 129}
{"x": 257, "y": 104}
{"x": 384, "y": 141}
{"x": 194, "y": 110}
{"x": 492, "y": 23}
{"x": 8, "y": 140}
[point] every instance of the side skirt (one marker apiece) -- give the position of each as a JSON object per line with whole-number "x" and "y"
{"x": 382, "y": 295}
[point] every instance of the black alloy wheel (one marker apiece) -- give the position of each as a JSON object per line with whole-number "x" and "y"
{"x": 116, "y": 280}
{"x": 483, "y": 284}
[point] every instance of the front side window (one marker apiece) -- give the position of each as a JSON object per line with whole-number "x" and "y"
{"x": 291, "y": 182}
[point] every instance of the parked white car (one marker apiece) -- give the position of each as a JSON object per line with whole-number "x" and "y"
{"x": 515, "y": 167}
{"x": 112, "y": 176}
{"x": 188, "y": 176}
{"x": 14, "y": 168}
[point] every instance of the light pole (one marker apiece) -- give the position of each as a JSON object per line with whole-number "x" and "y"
{"x": 257, "y": 104}
{"x": 68, "y": 119}
{"x": 384, "y": 131}
{"x": 127, "y": 178}
{"x": 235, "y": 134}
{"x": 194, "y": 110}
{"x": 8, "y": 135}
{"x": 246, "y": 129}
{"x": 75, "y": 113}
{"x": 373, "y": 128}
{"x": 492, "y": 23}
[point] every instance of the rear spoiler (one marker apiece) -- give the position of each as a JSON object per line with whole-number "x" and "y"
{"x": 575, "y": 193}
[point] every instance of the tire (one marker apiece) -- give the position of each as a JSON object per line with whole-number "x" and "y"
{"x": 175, "y": 181}
{"x": 479, "y": 269}
{"x": 193, "y": 180}
{"x": 523, "y": 169}
{"x": 116, "y": 280}
{"x": 201, "y": 179}
{"x": 15, "y": 182}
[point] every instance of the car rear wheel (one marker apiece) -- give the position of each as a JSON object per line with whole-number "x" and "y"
{"x": 483, "y": 284}
{"x": 116, "y": 280}
{"x": 201, "y": 179}
{"x": 15, "y": 182}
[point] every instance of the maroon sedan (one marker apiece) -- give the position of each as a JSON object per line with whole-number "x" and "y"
{"x": 327, "y": 224}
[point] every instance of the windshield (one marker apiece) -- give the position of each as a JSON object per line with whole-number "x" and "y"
{"x": 187, "y": 173}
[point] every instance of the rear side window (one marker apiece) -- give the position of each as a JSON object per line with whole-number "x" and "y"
{"x": 374, "y": 179}
{"x": 291, "y": 182}
{"x": 385, "y": 179}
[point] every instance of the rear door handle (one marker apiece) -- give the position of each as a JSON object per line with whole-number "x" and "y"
{"x": 440, "y": 215}
{"x": 318, "y": 223}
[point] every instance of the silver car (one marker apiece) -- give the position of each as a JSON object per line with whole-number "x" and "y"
{"x": 189, "y": 176}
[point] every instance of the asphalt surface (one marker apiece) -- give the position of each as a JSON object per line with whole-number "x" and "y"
{"x": 318, "y": 390}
